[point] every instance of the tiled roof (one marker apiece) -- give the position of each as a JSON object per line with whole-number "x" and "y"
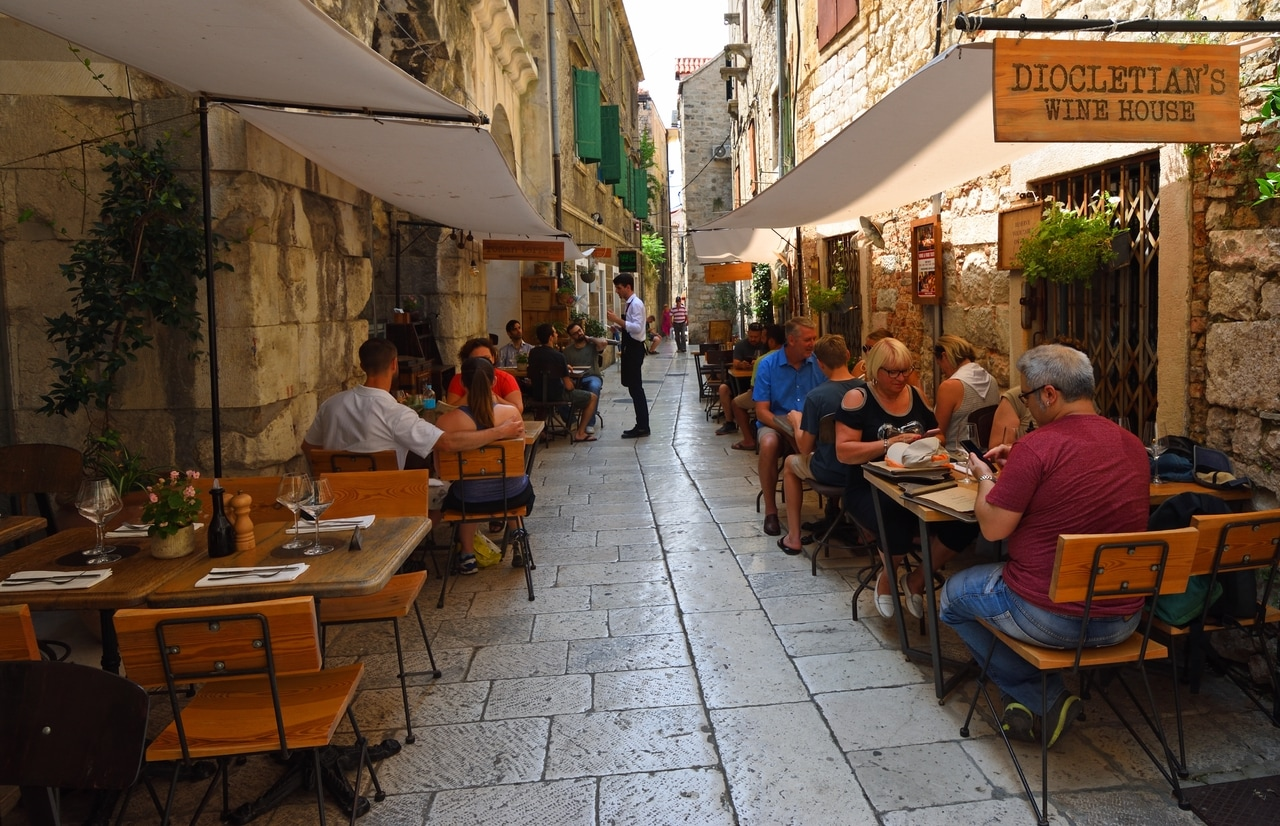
{"x": 689, "y": 65}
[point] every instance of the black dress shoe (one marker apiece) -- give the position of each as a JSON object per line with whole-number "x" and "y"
{"x": 771, "y": 526}
{"x": 635, "y": 433}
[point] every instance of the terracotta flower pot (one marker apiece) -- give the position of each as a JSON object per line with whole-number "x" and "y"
{"x": 177, "y": 545}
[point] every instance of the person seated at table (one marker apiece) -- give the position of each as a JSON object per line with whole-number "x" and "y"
{"x": 549, "y": 375}
{"x": 738, "y": 407}
{"x": 967, "y": 386}
{"x": 814, "y": 460}
{"x": 505, "y": 386}
{"x": 859, "y": 370}
{"x": 367, "y": 418}
{"x": 785, "y": 377}
{"x": 510, "y": 353}
{"x": 584, "y": 352}
{"x": 745, "y": 354}
{"x": 482, "y": 411}
{"x": 1075, "y": 473}
{"x": 651, "y": 334}
{"x": 885, "y": 412}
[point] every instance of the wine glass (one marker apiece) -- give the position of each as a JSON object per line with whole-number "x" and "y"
{"x": 1153, "y": 435}
{"x": 98, "y": 501}
{"x": 294, "y": 489}
{"x": 1121, "y": 421}
{"x": 317, "y": 503}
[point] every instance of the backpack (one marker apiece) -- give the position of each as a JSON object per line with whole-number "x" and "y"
{"x": 1234, "y": 593}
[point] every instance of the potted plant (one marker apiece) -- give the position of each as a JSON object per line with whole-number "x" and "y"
{"x": 171, "y": 510}
{"x": 1066, "y": 246}
{"x": 566, "y": 296}
{"x": 107, "y": 456}
{"x": 781, "y": 294}
{"x": 825, "y": 299}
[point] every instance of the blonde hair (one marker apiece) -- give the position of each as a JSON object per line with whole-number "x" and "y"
{"x": 886, "y": 352}
{"x": 956, "y": 348}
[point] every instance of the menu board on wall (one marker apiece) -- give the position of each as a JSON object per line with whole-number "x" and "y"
{"x": 1016, "y": 223}
{"x": 926, "y": 260}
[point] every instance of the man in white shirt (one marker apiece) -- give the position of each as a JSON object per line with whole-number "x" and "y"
{"x": 631, "y": 324}
{"x": 509, "y": 354}
{"x": 367, "y": 419}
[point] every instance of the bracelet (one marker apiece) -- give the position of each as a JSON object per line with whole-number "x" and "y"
{"x": 986, "y": 477}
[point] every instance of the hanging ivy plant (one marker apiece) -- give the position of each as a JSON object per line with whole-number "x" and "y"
{"x": 138, "y": 266}
{"x": 1066, "y": 246}
{"x": 825, "y": 299}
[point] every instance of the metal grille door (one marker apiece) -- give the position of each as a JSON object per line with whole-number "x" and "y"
{"x": 842, "y": 257}
{"x": 1115, "y": 316}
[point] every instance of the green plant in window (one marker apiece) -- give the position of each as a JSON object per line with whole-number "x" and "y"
{"x": 1066, "y": 246}
{"x": 825, "y": 299}
{"x": 781, "y": 294}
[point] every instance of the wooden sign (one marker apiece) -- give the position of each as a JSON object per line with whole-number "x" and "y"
{"x": 496, "y": 249}
{"x": 926, "y": 260}
{"x": 722, "y": 273}
{"x": 1074, "y": 91}
{"x": 1016, "y": 223}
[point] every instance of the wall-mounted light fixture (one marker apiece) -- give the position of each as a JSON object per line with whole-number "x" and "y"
{"x": 597, "y": 217}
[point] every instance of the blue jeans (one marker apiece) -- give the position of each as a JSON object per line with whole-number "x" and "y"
{"x": 591, "y": 384}
{"x": 980, "y": 591}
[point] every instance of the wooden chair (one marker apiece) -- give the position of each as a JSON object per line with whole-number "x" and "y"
{"x": 502, "y": 459}
{"x": 17, "y": 634}
{"x": 1228, "y": 543}
{"x": 713, "y": 373}
{"x": 41, "y": 471}
{"x": 983, "y": 417}
{"x": 68, "y": 726}
{"x": 1091, "y": 568}
{"x": 549, "y": 412}
{"x": 343, "y": 461}
{"x": 262, "y": 489}
{"x": 383, "y": 493}
{"x": 263, "y": 687}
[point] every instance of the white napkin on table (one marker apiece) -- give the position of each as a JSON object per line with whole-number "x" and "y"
{"x": 243, "y": 576}
{"x": 136, "y": 531}
{"x": 326, "y": 525}
{"x": 54, "y": 580}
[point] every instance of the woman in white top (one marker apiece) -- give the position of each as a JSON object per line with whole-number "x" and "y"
{"x": 967, "y": 387}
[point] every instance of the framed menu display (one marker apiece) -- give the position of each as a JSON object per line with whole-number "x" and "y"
{"x": 926, "y": 260}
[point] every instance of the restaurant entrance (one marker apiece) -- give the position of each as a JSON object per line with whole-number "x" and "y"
{"x": 842, "y": 257}
{"x": 1116, "y": 316}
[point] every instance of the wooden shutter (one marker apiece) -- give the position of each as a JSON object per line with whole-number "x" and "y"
{"x": 586, "y": 114}
{"x": 610, "y": 146}
{"x": 640, "y": 199}
{"x": 833, "y": 16}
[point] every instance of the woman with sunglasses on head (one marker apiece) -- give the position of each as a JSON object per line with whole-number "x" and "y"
{"x": 871, "y": 419}
{"x": 966, "y": 387}
{"x": 505, "y": 386}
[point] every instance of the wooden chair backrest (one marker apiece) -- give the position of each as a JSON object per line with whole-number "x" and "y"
{"x": 70, "y": 726}
{"x": 228, "y": 634}
{"x": 17, "y": 634}
{"x": 1247, "y": 540}
{"x": 42, "y": 471}
{"x": 497, "y": 459}
{"x": 827, "y": 429}
{"x": 1142, "y": 563}
{"x": 343, "y": 461}
{"x": 379, "y": 492}
{"x": 261, "y": 488}
{"x": 983, "y": 417}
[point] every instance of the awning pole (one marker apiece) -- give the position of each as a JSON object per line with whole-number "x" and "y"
{"x": 206, "y": 178}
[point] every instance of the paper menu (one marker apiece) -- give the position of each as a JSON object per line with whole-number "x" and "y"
{"x": 959, "y": 498}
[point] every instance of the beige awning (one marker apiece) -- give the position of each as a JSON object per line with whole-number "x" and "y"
{"x": 288, "y": 53}
{"x": 933, "y": 132}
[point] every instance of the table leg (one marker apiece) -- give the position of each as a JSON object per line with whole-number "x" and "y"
{"x": 110, "y": 643}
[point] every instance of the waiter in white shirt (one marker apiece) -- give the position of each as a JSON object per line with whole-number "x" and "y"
{"x": 631, "y": 323}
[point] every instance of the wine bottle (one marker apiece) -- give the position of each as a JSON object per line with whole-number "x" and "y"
{"x": 222, "y": 538}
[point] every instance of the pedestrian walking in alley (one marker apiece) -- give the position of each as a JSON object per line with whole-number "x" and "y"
{"x": 632, "y": 324}
{"x": 680, "y": 323}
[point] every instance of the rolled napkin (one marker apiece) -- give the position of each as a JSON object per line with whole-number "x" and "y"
{"x": 246, "y": 576}
{"x": 54, "y": 580}
{"x": 348, "y": 524}
{"x": 926, "y": 452}
{"x": 130, "y": 530}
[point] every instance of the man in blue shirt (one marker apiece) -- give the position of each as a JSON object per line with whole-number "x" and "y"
{"x": 785, "y": 377}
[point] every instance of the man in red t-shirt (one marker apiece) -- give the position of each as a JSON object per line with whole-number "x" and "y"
{"x": 1075, "y": 473}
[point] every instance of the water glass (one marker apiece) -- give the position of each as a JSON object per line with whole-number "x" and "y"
{"x": 1153, "y": 436}
{"x": 98, "y": 501}
{"x": 294, "y": 489}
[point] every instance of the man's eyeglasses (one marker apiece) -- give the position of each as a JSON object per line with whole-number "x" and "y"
{"x": 896, "y": 374}
{"x": 1030, "y": 393}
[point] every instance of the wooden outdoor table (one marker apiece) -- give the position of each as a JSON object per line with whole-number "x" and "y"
{"x": 388, "y": 542}
{"x": 930, "y": 516}
{"x": 132, "y": 580}
{"x": 16, "y": 527}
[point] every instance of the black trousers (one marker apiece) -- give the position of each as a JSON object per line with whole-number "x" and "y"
{"x": 633, "y": 353}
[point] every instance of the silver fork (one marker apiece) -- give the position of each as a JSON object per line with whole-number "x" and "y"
{"x": 56, "y": 580}
{"x": 250, "y": 574}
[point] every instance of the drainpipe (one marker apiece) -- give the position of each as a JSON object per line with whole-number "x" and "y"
{"x": 554, "y": 84}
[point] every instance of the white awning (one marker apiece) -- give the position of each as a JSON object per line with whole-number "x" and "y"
{"x": 933, "y": 132}
{"x": 725, "y": 246}
{"x": 290, "y": 53}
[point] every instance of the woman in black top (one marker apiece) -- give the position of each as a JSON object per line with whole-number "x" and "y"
{"x": 887, "y": 411}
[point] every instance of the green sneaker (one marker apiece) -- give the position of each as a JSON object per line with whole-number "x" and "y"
{"x": 1064, "y": 712}
{"x": 1019, "y": 723}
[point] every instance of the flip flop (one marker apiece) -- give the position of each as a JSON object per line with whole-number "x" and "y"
{"x": 741, "y": 446}
{"x": 787, "y": 549}
{"x": 588, "y": 438}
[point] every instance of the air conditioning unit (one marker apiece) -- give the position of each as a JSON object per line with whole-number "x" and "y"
{"x": 721, "y": 152}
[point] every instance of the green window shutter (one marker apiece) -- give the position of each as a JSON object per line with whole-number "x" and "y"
{"x": 610, "y": 146}
{"x": 641, "y": 199}
{"x": 622, "y": 188}
{"x": 586, "y": 114}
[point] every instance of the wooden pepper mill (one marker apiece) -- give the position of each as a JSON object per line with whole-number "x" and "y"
{"x": 241, "y": 503}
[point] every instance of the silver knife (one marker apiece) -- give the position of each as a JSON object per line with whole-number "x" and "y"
{"x": 59, "y": 579}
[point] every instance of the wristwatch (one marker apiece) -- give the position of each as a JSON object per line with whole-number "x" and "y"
{"x": 986, "y": 477}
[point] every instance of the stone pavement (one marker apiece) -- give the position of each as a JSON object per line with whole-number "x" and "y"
{"x": 676, "y": 667}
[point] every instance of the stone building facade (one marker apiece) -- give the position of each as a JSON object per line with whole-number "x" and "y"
{"x": 1212, "y": 363}
{"x": 314, "y": 257}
